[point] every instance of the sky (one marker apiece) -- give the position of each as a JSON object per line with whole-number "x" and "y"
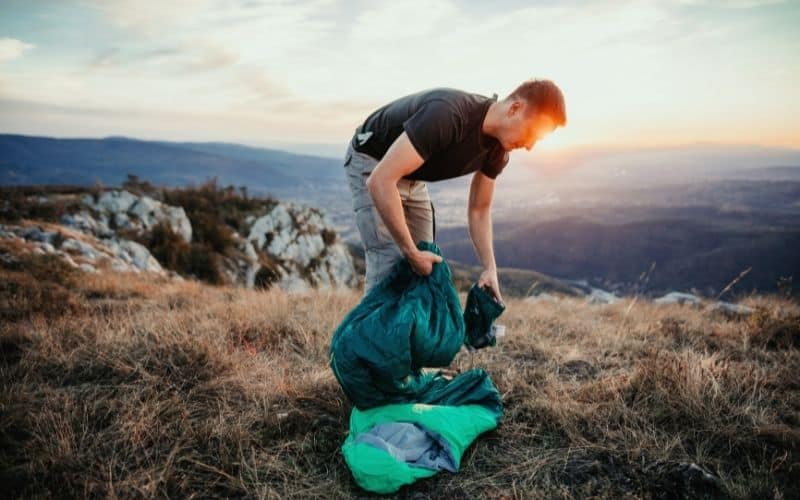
{"x": 633, "y": 73}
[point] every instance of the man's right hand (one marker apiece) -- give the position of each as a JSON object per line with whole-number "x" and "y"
{"x": 422, "y": 261}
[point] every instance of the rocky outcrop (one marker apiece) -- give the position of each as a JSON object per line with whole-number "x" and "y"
{"x": 679, "y": 298}
{"x": 288, "y": 245}
{"x": 120, "y": 209}
{"x": 301, "y": 239}
{"x": 542, "y": 297}
{"x": 244, "y": 268}
{"x": 728, "y": 309}
{"x": 85, "y": 251}
{"x": 593, "y": 295}
{"x": 599, "y": 296}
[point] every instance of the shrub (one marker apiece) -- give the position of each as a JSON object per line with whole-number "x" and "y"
{"x": 36, "y": 284}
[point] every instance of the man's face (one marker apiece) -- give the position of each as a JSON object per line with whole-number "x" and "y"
{"x": 524, "y": 126}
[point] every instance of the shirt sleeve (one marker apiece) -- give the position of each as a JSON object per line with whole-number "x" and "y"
{"x": 433, "y": 127}
{"x": 495, "y": 163}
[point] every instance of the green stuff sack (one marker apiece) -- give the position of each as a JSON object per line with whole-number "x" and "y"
{"x": 408, "y": 423}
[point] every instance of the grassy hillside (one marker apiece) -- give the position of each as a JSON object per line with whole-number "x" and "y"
{"x": 122, "y": 385}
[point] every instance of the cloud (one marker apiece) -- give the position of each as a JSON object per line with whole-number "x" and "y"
{"x": 135, "y": 15}
{"x": 732, "y": 4}
{"x": 11, "y": 48}
{"x": 189, "y": 56}
{"x": 319, "y": 66}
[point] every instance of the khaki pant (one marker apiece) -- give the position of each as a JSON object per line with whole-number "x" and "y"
{"x": 380, "y": 249}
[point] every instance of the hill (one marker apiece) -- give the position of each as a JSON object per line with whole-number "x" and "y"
{"x": 28, "y": 160}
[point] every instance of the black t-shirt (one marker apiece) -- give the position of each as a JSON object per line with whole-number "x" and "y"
{"x": 444, "y": 125}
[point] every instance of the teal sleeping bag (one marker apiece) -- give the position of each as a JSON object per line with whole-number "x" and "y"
{"x": 407, "y": 423}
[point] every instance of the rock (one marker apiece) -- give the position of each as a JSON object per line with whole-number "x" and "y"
{"x": 112, "y": 201}
{"x": 297, "y": 242}
{"x": 729, "y": 309}
{"x": 544, "y": 296}
{"x": 35, "y": 233}
{"x": 242, "y": 269}
{"x": 177, "y": 219}
{"x": 84, "y": 222}
{"x": 87, "y": 268}
{"x": 140, "y": 256}
{"x": 89, "y": 252}
{"x": 678, "y": 298}
{"x": 292, "y": 235}
{"x": 683, "y": 480}
{"x": 599, "y": 296}
{"x": 79, "y": 247}
{"x": 66, "y": 258}
{"x": 128, "y": 211}
{"x": 294, "y": 283}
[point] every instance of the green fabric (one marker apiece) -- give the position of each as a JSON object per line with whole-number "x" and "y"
{"x": 375, "y": 470}
{"x": 407, "y": 322}
{"x": 479, "y": 313}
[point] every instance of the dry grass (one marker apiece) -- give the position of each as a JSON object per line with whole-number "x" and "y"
{"x": 177, "y": 389}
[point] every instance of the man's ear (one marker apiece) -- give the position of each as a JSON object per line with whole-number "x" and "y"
{"x": 515, "y": 107}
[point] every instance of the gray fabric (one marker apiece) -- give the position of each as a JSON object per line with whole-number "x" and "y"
{"x": 411, "y": 443}
{"x": 381, "y": 252}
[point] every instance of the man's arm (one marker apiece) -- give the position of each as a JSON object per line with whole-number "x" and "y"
{"x": 400, "y": 159}
{"x": 481, "y": 191}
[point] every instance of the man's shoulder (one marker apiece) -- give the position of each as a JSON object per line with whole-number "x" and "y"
{"x": 458, "y": 98}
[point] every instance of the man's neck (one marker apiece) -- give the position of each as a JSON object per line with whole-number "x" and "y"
{"x": 489, "y": 125}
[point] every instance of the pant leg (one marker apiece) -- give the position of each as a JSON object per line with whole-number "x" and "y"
{"x": 380, "y": 250}
{"x": 419, "y": 212}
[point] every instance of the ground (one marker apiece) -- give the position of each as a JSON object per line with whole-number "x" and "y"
{"x": 125, "y": 385}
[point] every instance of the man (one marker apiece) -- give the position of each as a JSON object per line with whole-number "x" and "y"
{"x": 432, "y": 135}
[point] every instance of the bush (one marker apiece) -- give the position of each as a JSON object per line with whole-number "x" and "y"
{"x": 210, "y": 207}
{"x": 22, "y": 202}
{"x": 198, "y": 260}
{"x": 36, "y": 284}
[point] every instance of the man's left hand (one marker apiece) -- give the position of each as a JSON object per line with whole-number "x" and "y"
{"x": 489, "y": 278}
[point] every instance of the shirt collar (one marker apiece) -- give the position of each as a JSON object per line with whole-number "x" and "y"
{"x": 487, "y": 141}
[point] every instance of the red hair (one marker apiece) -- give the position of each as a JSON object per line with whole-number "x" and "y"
{"x": 545, "y": 96}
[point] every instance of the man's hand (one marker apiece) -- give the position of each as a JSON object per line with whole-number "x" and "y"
{"x": 422, "y": 261}
{"x": 489, "y": 277}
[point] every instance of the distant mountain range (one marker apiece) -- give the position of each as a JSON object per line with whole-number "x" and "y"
{"x": 697, "y": 247}
{"x": 43, "y": 160}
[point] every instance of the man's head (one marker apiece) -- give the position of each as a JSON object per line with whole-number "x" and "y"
{"x": 531, "y": 111}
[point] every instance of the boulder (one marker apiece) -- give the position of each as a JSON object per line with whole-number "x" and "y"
{"x": 87, "y": 252}
{"x": 599, "y": 296}
{"x": 729, "y": 309}
{"x": 679, "y": 298}
{"x": 128, "y": 211}
{"x": 295, "y": 236}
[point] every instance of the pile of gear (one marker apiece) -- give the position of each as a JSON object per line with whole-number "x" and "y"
{"x": 406, "y": 423}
